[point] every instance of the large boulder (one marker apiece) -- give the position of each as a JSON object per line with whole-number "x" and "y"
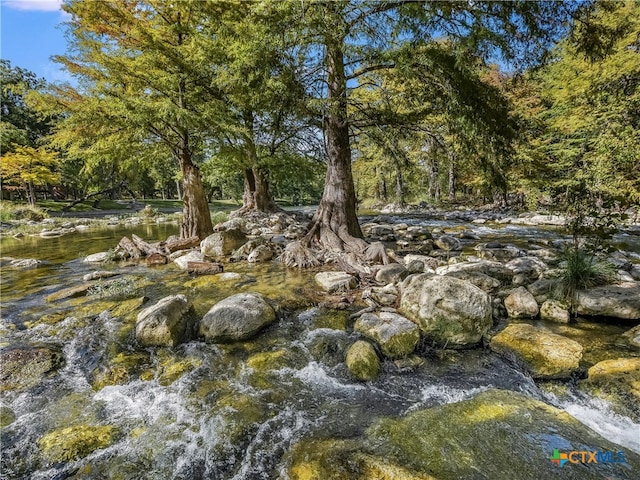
{"x": 237, "y": 317}
{"x": 363, "y": 362}
{"x": 619, "y": 301}
{"x": 542, "y": 353}
{"x": 396, "y": 335}
{"x": 521, "y": 304}
{"x": 335, "y": 281}
{"x": 530, "y": 267}
{"x": 487, "y": 267}
{"x": 222, "y": 243}
{"x": 448, "y": 310}
{"x": 167, "y": 323}
{"x": 183, "y": 261}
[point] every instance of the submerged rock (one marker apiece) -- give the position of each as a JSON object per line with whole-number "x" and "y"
{"x": 363, "y": 362}
{"x": 496, "y": 434}
{"x": 335, "y": 281}
{"x": 450, "y": 311}
{"x": 618, "y": 301}
{"x": 631, "y": 337}
{"x": 396, "y": 335}
{"x": 237, "y": 317}
{"x": 542, "y": 353}
{"x": 521, "y": 304}
{"x": 72, "y": 443}
{"x": 167, "y": 323}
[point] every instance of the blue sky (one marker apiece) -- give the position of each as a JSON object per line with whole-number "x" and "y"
{"x": 31, "y": 32}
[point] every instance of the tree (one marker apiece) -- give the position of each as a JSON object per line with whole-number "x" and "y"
{"x": 28, "y": 167}
{"x": 143, "y": 81}
{"x": 358, "y": 37}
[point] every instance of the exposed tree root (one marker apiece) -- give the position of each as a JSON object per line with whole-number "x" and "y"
{"x": 296, "y": 254}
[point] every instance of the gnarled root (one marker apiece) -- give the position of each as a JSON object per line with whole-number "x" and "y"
{"x": 296, "y": 254}
{"x": 376, "y": 253}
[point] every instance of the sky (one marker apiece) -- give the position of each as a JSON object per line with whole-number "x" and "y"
{"x": 31, "y": 32}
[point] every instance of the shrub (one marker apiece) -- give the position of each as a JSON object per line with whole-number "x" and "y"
{"x": 23, "y": 212}
{"x": 219, "y": 217}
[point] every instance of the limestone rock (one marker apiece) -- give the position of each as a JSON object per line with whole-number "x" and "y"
{"x": 396, "y": 335}
{"x": 183, "y": 261}
{"x": 543, "y": 354}
{"x": 363, "y": 362}
{"x": 262, "y": 253}
{"x": 222, "y": 243}
{"x": 165, "y": 324}
{"x": 237, "y": 317}
{"x": 447, "y": 242}
{"x": 335, "y": 281}
{"x": 631, "y": 337}
{"x": 521, "y": 304}
{"x": 450, "y": 311}
{"x": 23, "y": 368}
{"x": 487, "y": 267}
{"x": 554, "y": 311}
{"x": 618, "y": 301}
{"x": 100, "y": 257}
{"x": 394, "y": 272}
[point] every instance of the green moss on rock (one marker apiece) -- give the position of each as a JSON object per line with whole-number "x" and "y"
{"x": 363, "y": 362}
{"x": 72, "y": 443}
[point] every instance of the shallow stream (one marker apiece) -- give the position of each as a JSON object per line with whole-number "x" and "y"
{"x": 229, "y": 411}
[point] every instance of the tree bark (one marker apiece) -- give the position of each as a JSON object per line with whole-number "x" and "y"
{"x": 452, "y": 177}
{"x": 256, "y": 195}
{"x": 196, "y": 218}
{"x": 399, "y": 185}
{"x": 434, "y": 184}
{"x": 335, "y": 224}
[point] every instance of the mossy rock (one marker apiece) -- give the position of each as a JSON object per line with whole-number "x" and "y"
{"x": 72, "y": 443}
{"x": 363, "y": 362}
{"x": 172, "y": 368}
{"x": 496, "y": 434}
{"x": 7, "y": 417}
{"x": 618, "y": 382}
{"x": 240, "y": 414}
{"x": 120, "y": 370}
{"x": 23, "y": 368}
{"x": 332, "y": 319}
{"x": 264, "y": 363}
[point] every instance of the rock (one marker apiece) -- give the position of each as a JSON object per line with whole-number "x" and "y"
{"x": 493, "y": 269}
{"x": 450, "y": 311}
{"x": 386, "y": 295}
{"x": 167, "y": 323}
{"x": 335, "y": 281}
{"x": 631, "y": 337}
{"x": 521, "y": 304}
{"x": 72, "y": 443}
{"x": 262, "y": 253}
{"x": 204, "y": 268}
{"x": 24, "y": 263}
{"x": 542, "y": 353}
{"x": 99, "y": 274}
{"x": 483, "y": 282}
{"x": 538, "y": 219}
{"x": 237, "y": 317}
{"x": 618, "y": 382}
{"x": 392, "y": 273}
{"x": 183, "y": 261}
{"x": 449, "y": 243}
{"x": 618, "y": 301}
{"x": 23, "y": 368}
{"x": 100, "y": 257}
{"x": 156, "y": 259}
{"x": 429, "y": 262}
{"x": 363, "y": 362}
{"x": 222, "y": 243}
{"x": 502, "y": 253}
{"x": 499, "y": 434}
{"x": 532, "y": 267}
{"x": 71, "y": 292}
{"x": 543, "y": 288}
{"x": 554, "y": 311}
{"x": 396, "y": 335}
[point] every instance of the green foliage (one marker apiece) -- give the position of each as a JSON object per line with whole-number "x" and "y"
{"x": 9, "y": 211}
{"x": 580, "y": 270}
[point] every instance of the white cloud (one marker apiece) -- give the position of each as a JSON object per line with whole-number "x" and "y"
{"x": 33, "y": 5}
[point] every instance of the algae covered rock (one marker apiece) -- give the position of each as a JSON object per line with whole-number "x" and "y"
{"x": 72, "y": 443}
{"x": 396, "y": 335}
{"x": 554, "y": 311}
{"x": 448, "y": 310}
{"x": 631, "y": 337}
{"x": 521, "y": 304}
{"x": 23, "y": 368}
{"x": 237, "y": 317}
{"x": 363, "y": 362}
{"x": 167, "y": 323}
{"x": 542, "y": 353}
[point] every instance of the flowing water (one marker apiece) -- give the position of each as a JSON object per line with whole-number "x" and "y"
{"x": 223, "y": 411}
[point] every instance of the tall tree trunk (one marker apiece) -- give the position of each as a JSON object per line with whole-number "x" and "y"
{"x": 178, "y": 191}
{"x": 335, "y": 224}
{"x": 31, "y": 194}
{"x": 434, "y": 184}
{"x": 256, "y": 195}
{"x": 399, "y": 185}
{"x": 452, "y": 176}
{"x": 196, "y": 218}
